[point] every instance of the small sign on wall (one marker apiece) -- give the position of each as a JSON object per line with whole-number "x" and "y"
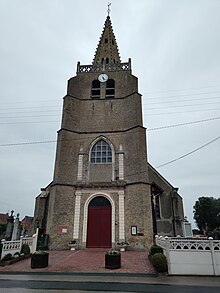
{"x": 62, "y": 229}
{"x": 133, "y": 230}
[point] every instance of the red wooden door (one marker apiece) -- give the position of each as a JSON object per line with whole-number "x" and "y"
{"x": 99, "y": 226}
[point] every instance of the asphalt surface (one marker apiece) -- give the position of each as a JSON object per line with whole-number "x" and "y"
{"x": 104, "y": 282}
{"x": 84, "y": 271}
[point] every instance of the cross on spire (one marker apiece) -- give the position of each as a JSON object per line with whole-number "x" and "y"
{"x": 109, "y": 10}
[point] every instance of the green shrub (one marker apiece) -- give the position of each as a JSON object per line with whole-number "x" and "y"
{"x": 16, "y": 254}
{"x": 1, "y": 245}
{"x": 25, "y": 249}
{"x": 7, "y": 257}
{"x": 159, "y": 261}
{"x": 155, "y": 249}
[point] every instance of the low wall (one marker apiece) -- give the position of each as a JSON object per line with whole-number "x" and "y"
{"x": 15, "y": 246}
{"x": 191, "y": 256}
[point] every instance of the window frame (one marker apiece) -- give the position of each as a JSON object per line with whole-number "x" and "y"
{"x": 101, "y": 152}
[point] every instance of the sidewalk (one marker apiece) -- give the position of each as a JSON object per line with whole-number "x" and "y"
{"x": 88, "y": 260}
{"x": 84, "y": 271}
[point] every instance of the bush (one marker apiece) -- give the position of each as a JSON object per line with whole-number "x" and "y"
{"x": 113, "y": 252}
{"x": 155, "y": 249}
{"x": 215, "y": 234}
{"x": 7, "y": 257}
{"x": 25, "y": 249}
{"x": 1, "y": 245}
{"x": 159, "y": 261}
{"x": 16, "y": 254}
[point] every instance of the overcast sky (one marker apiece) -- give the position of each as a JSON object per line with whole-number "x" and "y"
{"x": 175, "y": 50}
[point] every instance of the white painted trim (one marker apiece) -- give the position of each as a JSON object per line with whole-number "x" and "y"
{"x": 121, "y": 163}
{"x": 80, "y": 168}
{"x": 121, "y": 201}
{"x": 85, "y": 216}
{"x": 77, "y": 215}
{"x": 121, "y": 166}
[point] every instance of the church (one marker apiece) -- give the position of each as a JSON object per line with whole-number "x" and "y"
{"x": 104, "y": 191}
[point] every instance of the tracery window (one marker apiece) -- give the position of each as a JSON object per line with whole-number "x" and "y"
{"x": 101, "y": 153}
{"x": 156, "y": 193}
{"x": 157, "y": 207}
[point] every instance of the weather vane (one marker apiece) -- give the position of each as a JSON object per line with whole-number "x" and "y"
{"x": 109, "y": 10}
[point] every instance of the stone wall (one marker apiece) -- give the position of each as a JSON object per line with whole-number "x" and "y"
{"x": 171, "y": 206}
{"x": 61, "y": 216}
{"x": 138, "y": 213}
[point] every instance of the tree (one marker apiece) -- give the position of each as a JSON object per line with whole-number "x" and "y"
{"x": 207, "y": 213}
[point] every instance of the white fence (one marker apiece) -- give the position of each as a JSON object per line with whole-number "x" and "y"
{"x": 191, "y": 256}
{"x": 15, "y": 246}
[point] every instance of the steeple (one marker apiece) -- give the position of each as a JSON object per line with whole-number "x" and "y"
{"x": 107, "y": 50}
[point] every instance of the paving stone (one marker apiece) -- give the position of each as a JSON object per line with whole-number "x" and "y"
{"x": 88, "y": 260}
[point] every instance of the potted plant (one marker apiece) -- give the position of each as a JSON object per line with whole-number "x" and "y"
{"x": 73, "y": 244}
{"x": 122, "y": 246}
{"x": 113, "y": 259}
{"x": 39, "y": 259}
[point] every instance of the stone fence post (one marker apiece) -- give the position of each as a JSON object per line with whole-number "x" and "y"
{"x": 34, "y": 243}
{"x": 167, "y": 243}
{"x": 213, "y": 256}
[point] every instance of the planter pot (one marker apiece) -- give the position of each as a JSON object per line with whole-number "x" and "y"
{"x": 72, "y": 246}
{"x": 121, "y": 247}
{"x": 39, "y": 260}
{"x": 113, "y": 261}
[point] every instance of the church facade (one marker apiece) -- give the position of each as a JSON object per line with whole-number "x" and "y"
{"x": 104, "y": 190}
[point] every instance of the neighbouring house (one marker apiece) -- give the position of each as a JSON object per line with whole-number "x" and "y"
{"x": 26, "y": 223}
{"x": 3, "y": 224}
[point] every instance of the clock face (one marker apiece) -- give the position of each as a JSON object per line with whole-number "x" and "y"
{"x": 103, "y": 77}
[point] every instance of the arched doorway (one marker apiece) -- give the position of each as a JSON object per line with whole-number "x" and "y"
{"x": 99, "y": 223}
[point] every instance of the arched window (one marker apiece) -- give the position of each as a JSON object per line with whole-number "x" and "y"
{"x": 156, "y": 192}
{"x": 157, "y": 207}
{"x": 95, "y": 92}
{"x": 110, "y": 89}
{"x": 101, "y": 153}
{"x": 99, "y": 201}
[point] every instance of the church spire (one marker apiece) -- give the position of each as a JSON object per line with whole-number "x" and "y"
{"x": 107, "y": 50}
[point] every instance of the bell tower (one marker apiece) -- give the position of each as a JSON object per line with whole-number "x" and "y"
{"x": 100, "y": 191}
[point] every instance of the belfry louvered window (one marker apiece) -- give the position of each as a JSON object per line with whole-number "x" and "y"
{"x": 101, "y": 153}
{"x": 110, "y": 89}
{"x": 95, "y": 92}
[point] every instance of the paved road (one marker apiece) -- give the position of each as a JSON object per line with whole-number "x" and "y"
{"x": 54, "y": 283}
